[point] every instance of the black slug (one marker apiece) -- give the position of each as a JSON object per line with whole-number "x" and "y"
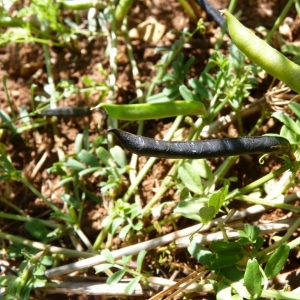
{"x": 201, "y": 149}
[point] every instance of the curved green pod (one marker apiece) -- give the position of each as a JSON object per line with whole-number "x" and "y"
{"x": 148, "y": 111}
{"x": 258, "y": 51}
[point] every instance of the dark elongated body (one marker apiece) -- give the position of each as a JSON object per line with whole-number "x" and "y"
{"x": 201, "y": 149}
{"x": 212, "y": 11}
{"x": 67, "y": 112}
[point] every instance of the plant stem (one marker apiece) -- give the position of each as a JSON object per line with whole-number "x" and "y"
{"x": 41, "y": 246}
{"x": 268, "y": 203}
{"x": 279, "y": 20}
{"x": 250, "y": 187}
{"x": 122, "y": 10}
{"x": 283, "y": 240}
{"x": 37, "y": 193}
{"x": 26, "y": 218}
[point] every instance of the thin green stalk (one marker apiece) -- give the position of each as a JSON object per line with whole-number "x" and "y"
{"x": 113, "y": 50}
{"x": 268, "y": 203}
{"x": 283, "y": 240}
{"x": 36, "y": 40}
{"x": 260, "y": 121}
{"x": 37, "y": 193}
{"x": 122, "y": 10}
{"x": 135, "y": 73}
{"x": 14, "y": 22}
{"x": 41, "y": 246}
{"x": 294, "y": 243}
{"x": 297, "y": 5}
{"x": 279, "y": 20}
{"x": 163, "y": 187}
{"x": 189, "y": 10}
{"x": 255, "y": 184}
{"x": 220, "y": 173}
{"x": 84, "y": 239}
{"x": 13, "y": 206}
{"x": 82, "y": 4}
{"x": 232, "y": 5}
{"x": 102, "y": 235}
{"x": 26, "y": 218}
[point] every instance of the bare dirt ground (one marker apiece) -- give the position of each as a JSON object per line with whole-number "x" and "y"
{"x": 24, "y": 65}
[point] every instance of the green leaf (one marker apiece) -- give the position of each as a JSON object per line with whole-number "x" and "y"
{"x": 37, "y": 229}
{"x": 232, "y": 273}
{"x": 115, "y": 278}
{"x": 203, "y": 169}
{"x": 276, "y": 261}
{"x": 39, "y": 282}
{"x": 74, "y": 165}
{"x": 286, "y": 120}
{"x": 207, "y": 214}
{"x": 200, "y": 88}
{"x": 291, "y": 136}
{"x": 190, "y": 178}
{"x": 225, "y": 259}
{"x": 102, "y": 267}
{"x": 243, "y": 234}
{"x": 171, "y": 89}
{"x": 202, "y": 254}
{"x": 88, "y": 171}
{"x": 140, "y": 260}
{"x": 88, "y": 158}
{"x": 236, "y": 59}
{"x": 220, "y": 246}
{"x": 8, "y": 122}
{"x": 39, "y": 270}
{"x": 115, "y": 224}
{"x": 187, "y": 66}
{"x": 78, "y": 142}
{"x": 126, "y": 259}
{"x": 187, "y": 94}
{"x": 217, "y": 198}
{"x": 255, "y": 233}
{"x": 93, "y": 197}
{"x": 224, "y": 291}
{"x": 108, "y": 256}
{"x": 63, "y": 217}
{"x": 70, "y": 200}
{"x": 105, "y": 157}
{"x": 189, "y": 209}
{"x": 119, "y": 156}
{"x": 124, "y": 231}
{"x": 244, "y": 241}
{"x": 47, "y": 260}
{"x": 295, "y": 107}
{"x": 252, "y": 278}
{"x": 131, "y": 286}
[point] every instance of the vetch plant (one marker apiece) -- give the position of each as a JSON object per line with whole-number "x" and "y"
{"x": 239, "y": 261}
{"x": 123, "y": 269}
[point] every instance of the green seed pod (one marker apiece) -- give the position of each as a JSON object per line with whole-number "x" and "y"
{"x": 148, "y": 111}
{"x": 271, "y": 60}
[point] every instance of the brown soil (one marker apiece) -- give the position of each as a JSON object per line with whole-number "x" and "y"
{"x": 24, "y": 65}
